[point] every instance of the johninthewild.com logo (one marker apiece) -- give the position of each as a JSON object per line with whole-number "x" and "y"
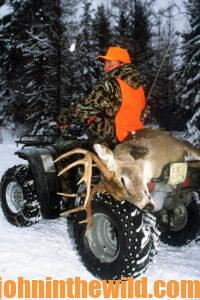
{"x": 50, "y": 287}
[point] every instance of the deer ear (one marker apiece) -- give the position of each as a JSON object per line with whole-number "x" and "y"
{"x": 103, "y": 152}
{"x": 106, "y": 155}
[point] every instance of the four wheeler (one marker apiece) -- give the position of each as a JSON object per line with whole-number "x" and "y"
{"x": 122, "y": 240}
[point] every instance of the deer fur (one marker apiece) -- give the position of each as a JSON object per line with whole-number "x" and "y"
{"x": 137, "y": 160}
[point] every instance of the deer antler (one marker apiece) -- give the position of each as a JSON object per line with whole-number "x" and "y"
{"x": 87, "y": 177}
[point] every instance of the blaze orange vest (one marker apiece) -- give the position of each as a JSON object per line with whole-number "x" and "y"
{"x": 129, "y": 113}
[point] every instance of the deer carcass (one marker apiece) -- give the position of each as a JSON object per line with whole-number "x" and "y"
{"x": 143, "y": 157}
{"x": 129, "y": 168}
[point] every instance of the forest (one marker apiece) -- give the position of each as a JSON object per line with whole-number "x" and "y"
{"x": 48, "y": 51}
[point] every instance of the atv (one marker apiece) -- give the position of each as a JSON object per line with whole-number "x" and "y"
{"x": 123, "y": 240}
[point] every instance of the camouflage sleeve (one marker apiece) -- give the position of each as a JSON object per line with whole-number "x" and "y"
{"x": 103, "y": 102}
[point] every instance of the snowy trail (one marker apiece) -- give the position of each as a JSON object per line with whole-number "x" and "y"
{"x": 45, "y": 249}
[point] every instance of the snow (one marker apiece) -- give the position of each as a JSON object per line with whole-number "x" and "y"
{"x": 38, "y": 251}
{"x": 45, "y": 249}
{"x": 5, "y": 10}
{"x": 73, "y": 46}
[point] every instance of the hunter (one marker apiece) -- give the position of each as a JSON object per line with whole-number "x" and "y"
{"x": 114, "y": 107}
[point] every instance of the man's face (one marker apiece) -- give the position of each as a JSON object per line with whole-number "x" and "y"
{"x": 110, "y": 65}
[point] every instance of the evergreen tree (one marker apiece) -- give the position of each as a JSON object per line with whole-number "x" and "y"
{"x": 101, "y": 28}
{"x": 189, "y": 93}
{"x": 140, "y": 31}
{"x": 163, "y": 100}
{"x": 68, "y": 47}
{"x": 122, "y": 36}
{"x": 134, "y": 32}
{"x": 133, "y": 27}
{"x": 101, "y": 34}
{"x": 31, "y": 49}
{"x": 86, "y": 53}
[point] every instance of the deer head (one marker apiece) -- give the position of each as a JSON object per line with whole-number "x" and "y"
{"x": 132, "y": 175}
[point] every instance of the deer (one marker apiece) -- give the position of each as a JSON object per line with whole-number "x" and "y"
{"x": 127, "y": 170}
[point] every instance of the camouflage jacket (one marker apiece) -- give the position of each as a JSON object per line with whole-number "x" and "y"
{"x": 104, "y": 102}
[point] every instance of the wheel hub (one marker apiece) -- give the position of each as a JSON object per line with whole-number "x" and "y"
{"x": 102, "y": 238}
{"x": 14, "y": 197}
{"x": 178, "y": 219}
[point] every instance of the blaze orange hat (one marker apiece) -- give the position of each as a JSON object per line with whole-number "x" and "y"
{"x": 117, "y": 53}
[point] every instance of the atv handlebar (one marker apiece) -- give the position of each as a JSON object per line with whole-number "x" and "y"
{"x": 72, "y": 131}
{"x": 36, "y": 140}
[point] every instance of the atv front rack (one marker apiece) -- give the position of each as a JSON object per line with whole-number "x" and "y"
{"x": 36, "y": 140}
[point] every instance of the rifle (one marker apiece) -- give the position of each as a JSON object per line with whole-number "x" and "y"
{"x": 146, "y": 110}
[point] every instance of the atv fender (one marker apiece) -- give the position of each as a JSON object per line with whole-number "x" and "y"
{"x": 45, "y": 178}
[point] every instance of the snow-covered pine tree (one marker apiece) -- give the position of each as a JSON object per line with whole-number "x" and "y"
{"x": 163, "y": 96}
{"x": 30, "y": 59}
{"x": 10, "y": 58}
{"x": 189, "y": 92}
{"x": 68, "y": 49}
{"x": 86, "y": 52}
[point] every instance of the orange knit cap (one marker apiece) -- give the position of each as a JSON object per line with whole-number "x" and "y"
{"x": 117, "y": 53}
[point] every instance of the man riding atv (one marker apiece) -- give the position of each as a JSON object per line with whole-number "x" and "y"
{"x": 102, "y": 191}
{"x": 113, "y": 108}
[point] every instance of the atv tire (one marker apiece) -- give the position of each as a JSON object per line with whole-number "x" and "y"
{"x": 19, "y": 200}
{"x": 121, "y": 242}
{"x": 191, "y": 230}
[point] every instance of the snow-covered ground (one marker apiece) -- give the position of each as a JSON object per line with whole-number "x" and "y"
{"x": 45, "y": 249}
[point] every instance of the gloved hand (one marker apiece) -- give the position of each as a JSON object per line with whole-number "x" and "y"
{"x": 62, "y": 121}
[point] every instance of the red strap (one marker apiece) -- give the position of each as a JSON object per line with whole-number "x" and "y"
{"x": 91, "y": 119}
{"x": 63, "y": 126}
